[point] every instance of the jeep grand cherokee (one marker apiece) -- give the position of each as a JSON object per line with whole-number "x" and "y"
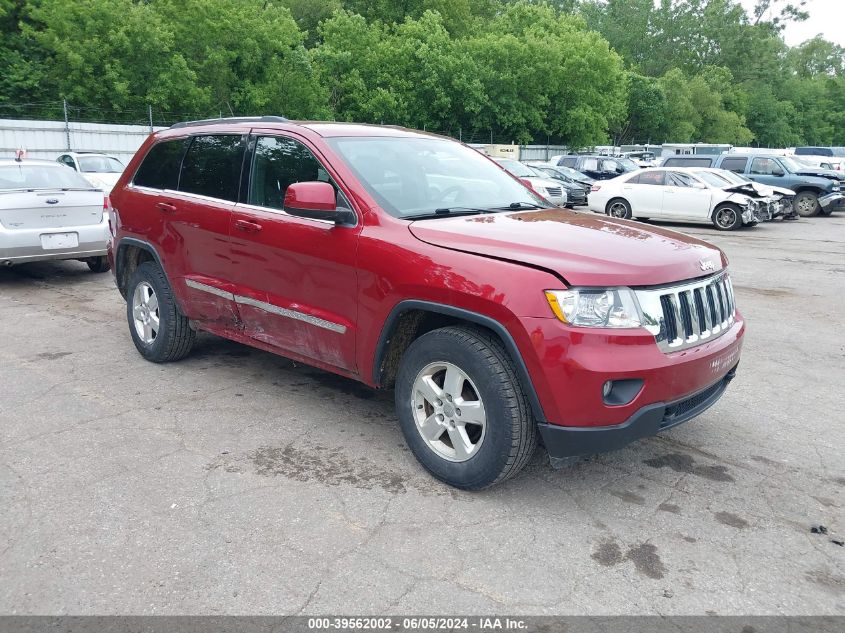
{"x": 410, "y": 261}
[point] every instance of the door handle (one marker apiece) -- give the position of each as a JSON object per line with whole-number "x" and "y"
{"x": 165, "y": 207}
{"x": 251, "y": 227}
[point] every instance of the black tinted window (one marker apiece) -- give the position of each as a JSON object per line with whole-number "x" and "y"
{"x": 735, "y": 164}
{"x": 278, "y": 163}
{"x": 160, "y": 169}
{"x": 568, "y": 162}
{"x": 212, "y": 167}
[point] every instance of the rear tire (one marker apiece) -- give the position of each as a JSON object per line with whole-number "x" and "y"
{"x": 161, "y": 333}
{"x": 464, "y": 367}
{"x": 806, "y": 204}
{"x": 98, "y": 264}
{"x": 727, "y": 217}
{"x": 619, "y": 208}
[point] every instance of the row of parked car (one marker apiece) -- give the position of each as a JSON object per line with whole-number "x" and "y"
{"x": 729, "y": 190}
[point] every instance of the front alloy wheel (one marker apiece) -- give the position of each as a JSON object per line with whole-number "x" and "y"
{"x": 727, "y": 218}
{"x": 448, "y": 411}
{"x": 462, "y": 408}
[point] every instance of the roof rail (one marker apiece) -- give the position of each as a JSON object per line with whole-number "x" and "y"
{"x": 234, "y": 119}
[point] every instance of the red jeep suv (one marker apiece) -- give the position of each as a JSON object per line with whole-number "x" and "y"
{"x": 411, "y": 261}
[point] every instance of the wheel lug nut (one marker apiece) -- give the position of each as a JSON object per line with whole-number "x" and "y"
{"x": 439, "y": 417}
{"x": 439, "y": 403}
{"x": 457, "y": 412}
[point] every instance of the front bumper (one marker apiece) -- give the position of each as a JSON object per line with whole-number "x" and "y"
{"x": 563, "y": 441}
{"x": 831, "y": 198}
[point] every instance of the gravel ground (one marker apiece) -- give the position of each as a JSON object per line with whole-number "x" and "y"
{"x": 236, "y": 482}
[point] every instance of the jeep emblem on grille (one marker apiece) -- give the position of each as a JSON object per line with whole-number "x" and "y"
{"x": 706, "y": 264}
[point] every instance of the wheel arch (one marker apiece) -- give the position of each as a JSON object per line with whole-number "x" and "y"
{"x": 411, "y": 318}
{"x": 130, "y": 254}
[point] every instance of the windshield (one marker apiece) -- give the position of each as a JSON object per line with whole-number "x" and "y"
{"x": 733, "y": 177}
{"x": 713, "y": 179}
{"x": 100, "y": 165}
{"x": 516, "y": 168}
{"x": 416, "y": 176}
{"x": 40, "y": 177}
{"x": 572, "y": 173}
{"x": 627, "y": 164}
{"x": 789, "y": 163}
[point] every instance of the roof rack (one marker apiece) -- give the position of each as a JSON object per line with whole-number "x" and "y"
{"x": 234, "y": 119}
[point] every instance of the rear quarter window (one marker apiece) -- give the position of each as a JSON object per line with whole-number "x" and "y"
{"x": 160, "y": 168}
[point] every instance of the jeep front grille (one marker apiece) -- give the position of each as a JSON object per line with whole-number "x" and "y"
{"x": 687, "y": 315}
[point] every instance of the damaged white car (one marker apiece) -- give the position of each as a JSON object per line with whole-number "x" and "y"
{"x": 777, "y": 201}
{"x": 682, "y": 195}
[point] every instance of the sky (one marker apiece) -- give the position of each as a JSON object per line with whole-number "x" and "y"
{"x": 826, "y": 17}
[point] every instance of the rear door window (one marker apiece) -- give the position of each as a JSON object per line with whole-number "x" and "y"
{"x": 569, "y": 161}
{"x": 212, "y": 166}
{"x": 160, "y": 169}
{"x": 735, "y": 164}
{"x": 651, "y": 178}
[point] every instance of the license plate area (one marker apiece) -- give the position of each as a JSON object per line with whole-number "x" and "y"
{"x": 54, "y": 241}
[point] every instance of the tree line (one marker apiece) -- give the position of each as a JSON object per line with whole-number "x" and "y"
{"x": 579, "y": 72}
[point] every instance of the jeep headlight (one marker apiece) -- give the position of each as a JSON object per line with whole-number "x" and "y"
{"x": 608, "y": 308}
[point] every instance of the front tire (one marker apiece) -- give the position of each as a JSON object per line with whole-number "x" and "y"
{"x": 98, "y": 264}
{"x": 161, "y": 333}
{"x": 806, "y": 204}
{"x": 619, "y": 208}
{"x": 728, "y": 217}
{"x": 462, "y": 409}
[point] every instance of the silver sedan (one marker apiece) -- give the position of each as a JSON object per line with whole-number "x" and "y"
{"x": 48, "y": 211}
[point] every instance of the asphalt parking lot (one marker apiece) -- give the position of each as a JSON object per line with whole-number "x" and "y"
{"x": 238, "y": 482}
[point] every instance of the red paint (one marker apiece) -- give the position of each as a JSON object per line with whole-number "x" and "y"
{"x": 352, "y": 276}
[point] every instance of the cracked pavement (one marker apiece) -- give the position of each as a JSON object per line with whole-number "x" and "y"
{"x": 238, "y": 482}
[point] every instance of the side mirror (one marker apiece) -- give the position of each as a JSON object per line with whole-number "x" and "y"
{"x": 777, "y": 171}
{"x": 315, "y": 200}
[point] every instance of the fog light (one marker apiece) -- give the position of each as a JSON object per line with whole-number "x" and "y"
{"x": 616, "y": 393}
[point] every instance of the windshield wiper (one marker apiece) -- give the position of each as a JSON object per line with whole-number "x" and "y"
{"x": 447, "y": 211}
{"x": 523, "y": 205}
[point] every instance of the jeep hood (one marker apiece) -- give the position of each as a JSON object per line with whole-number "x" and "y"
{"x": 585, "y": 250}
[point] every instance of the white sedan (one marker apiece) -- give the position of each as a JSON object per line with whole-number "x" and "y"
{"x": 48, "y": 211}
{"x": 683, "y": 194}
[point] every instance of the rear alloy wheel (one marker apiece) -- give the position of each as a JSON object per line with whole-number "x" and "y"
{"x": 462, "y": 409}
{"x": 727, "y": 218}
{"x": 161, "y": 333}
{"x": 98, "y": 264}
{"x": 619, "y": 208}
{"x": 806, "y": 204}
